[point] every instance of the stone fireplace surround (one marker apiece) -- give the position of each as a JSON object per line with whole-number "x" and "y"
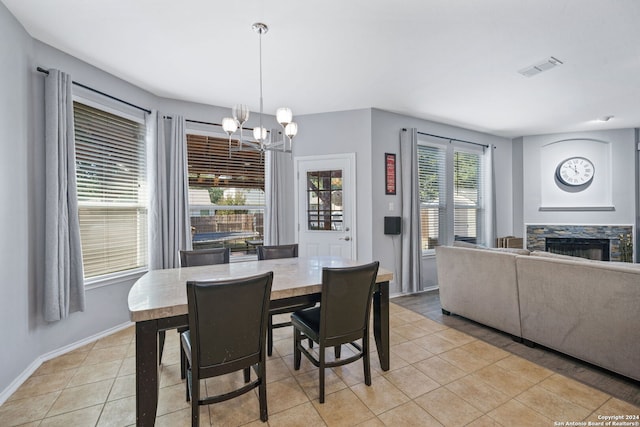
{"x": 537, "y": 235}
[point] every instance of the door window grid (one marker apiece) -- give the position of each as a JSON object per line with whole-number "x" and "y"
{"x": 324, "y": 200}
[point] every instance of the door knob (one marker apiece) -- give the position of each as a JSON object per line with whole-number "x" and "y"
{"x": 345, "y": 238}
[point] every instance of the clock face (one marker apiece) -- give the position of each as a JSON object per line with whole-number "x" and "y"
{"x": 575, "y": 171}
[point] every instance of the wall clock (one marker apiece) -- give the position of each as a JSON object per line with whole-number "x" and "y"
{"x": 575, "y": 172}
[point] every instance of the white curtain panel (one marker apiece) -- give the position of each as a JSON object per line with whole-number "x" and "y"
{"x": 411, "y": 251}
{"x": 63, "y": 275}
{"x": 169, "y": 221}
{"x": 490, "y": 198}
{"x": 275, "y": 185}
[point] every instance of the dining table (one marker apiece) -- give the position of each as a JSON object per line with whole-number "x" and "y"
{"x": 158, "y": 302}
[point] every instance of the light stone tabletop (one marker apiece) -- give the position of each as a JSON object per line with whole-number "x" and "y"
{"x": 162, "y": 293}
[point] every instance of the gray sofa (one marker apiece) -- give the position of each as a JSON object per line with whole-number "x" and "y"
{"x": 586, "y": 309}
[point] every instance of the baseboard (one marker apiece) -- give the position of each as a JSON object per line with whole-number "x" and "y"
{"x": 16, "y": 383}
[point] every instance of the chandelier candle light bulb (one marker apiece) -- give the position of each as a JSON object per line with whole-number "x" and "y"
{"x": 284, "y": 117}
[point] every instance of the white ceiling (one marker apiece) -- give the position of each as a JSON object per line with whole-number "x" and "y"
{"x": 451, "y": 61}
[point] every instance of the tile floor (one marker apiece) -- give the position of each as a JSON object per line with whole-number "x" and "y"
{"x": 438, "y": 376}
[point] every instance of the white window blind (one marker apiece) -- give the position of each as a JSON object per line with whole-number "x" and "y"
{"x": 112, "y": 199}
{"x": 467, "y": 191}
{"x": 451, "y": 193}
{"x": 431, "y": 167}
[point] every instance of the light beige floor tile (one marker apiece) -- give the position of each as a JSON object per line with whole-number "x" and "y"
{"x": 182, "y": 418}
{"x": 411, "y": 381}
{"x": 170, "y": 375}
{"x": 478, "y": 393}
{"x": 410, "y": 351}
{"x": 310, "y": 383}
{"x": 575, "y": 392}
{"x": 464, "y": 360}
{"x": 123, "y": 387}
{"x": 305, "y": 365}
{"x": 409, "y": 331}
{"x": 552, "y": 405}
{"x": 485, "y": 351}
{"x": 371, "y": 422}
{"x": 277, "y": 369}
{"x": 343, "y": 408}
{"x": 429, "y": 325}
{"x": 409, "y": 316}
{"x": 439, "y": 370}
{"x": 123, "y": 337}
{"x": 435, "y": 344}
{"x": 93, "y": 373}
{"x": 108, "y": 354}
{"x": 82, "y": 417}
{"x": 237, "y": 411}
{"x": 447, "y": 407}
{"x": 128, "y": 366}
{"x": 22, "y": 411}
{"x": 302, "y": 414}
{"x": 615, "y": 406}
{"x": 118, "y": 413}
{"x": 525, "y": 369}
{"x": 380, "y": 396}
{"x": 456, "y": 337}
{"x": 409, "y": 415}
{"x": 503, "y": 380}
{"x": 395, "y": 362}
{"x": 43, "y": 384}
{"x": 67, "y": 361}
{"x": 171, "y": 399}
{"x": 79, "y": 397}
{"x": 484, "y": 421}
{"x": 514, "y": 413}
{"x": 285, "y": 394}
{"x": 395, "y": 338}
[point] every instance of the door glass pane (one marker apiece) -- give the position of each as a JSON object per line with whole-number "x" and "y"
{"x": 324, "y": 200}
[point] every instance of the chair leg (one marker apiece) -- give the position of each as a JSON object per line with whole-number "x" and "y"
{"x": 337, "y": 351}
{"x": 297, "y": 338}
{"x": 321, "y": 374}
{"x": 270, "y": 336}
{"x": 161, "y": 338}
{"x": 183, "y": 364}
{"x": 366, "y": 361}
{"x": 195, "y": 401}
{"x": 262, "y": 396}
{"x": 247, "y": 375}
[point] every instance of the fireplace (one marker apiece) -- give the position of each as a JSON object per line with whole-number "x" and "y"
{"x": 597, "y": 249}
{"x": 539, "y": 234}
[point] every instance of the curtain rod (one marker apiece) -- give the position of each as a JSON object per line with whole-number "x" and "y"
{"x": 453, "y": 139}
{"x": 45, "y": 71}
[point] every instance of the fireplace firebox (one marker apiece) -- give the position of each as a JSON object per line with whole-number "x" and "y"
{"x": 597, "y": 249}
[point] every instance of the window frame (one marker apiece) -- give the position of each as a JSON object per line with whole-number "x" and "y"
{"x": 447, "y": 209}
{"x": 211, "y": 130}
{"x": 96, "y": 101}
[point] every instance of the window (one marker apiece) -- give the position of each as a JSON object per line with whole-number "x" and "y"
{"x": 112, "y": 199}
{"x": 226, "y": 195}
{"x": 451, "y": 193}
{"x": 324, "y": 200}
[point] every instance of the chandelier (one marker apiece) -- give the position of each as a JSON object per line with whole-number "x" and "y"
{"x": 265, "y": 140}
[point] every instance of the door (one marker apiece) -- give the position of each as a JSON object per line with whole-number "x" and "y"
{"x": 325, "y": 201}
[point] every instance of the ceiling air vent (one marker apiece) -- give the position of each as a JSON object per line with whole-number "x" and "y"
{"x": 545, "y": 65}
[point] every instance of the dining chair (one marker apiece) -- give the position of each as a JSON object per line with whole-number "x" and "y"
{"x": 341, "y": 318}
{"x": 277, "y": 252}
{"x": 227, "y": 328}
{"x": 195, "y": 258}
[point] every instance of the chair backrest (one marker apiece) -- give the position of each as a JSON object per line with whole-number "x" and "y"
{"x": 346, "y": 302}
{"x": 228, "y": 322}
{"x": 280, "y": 251}
{"x": 204, "y": 257}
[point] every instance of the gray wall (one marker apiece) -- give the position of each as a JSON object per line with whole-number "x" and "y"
{"x": 343, "y": 132}
{"x": 620, "y": 170}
